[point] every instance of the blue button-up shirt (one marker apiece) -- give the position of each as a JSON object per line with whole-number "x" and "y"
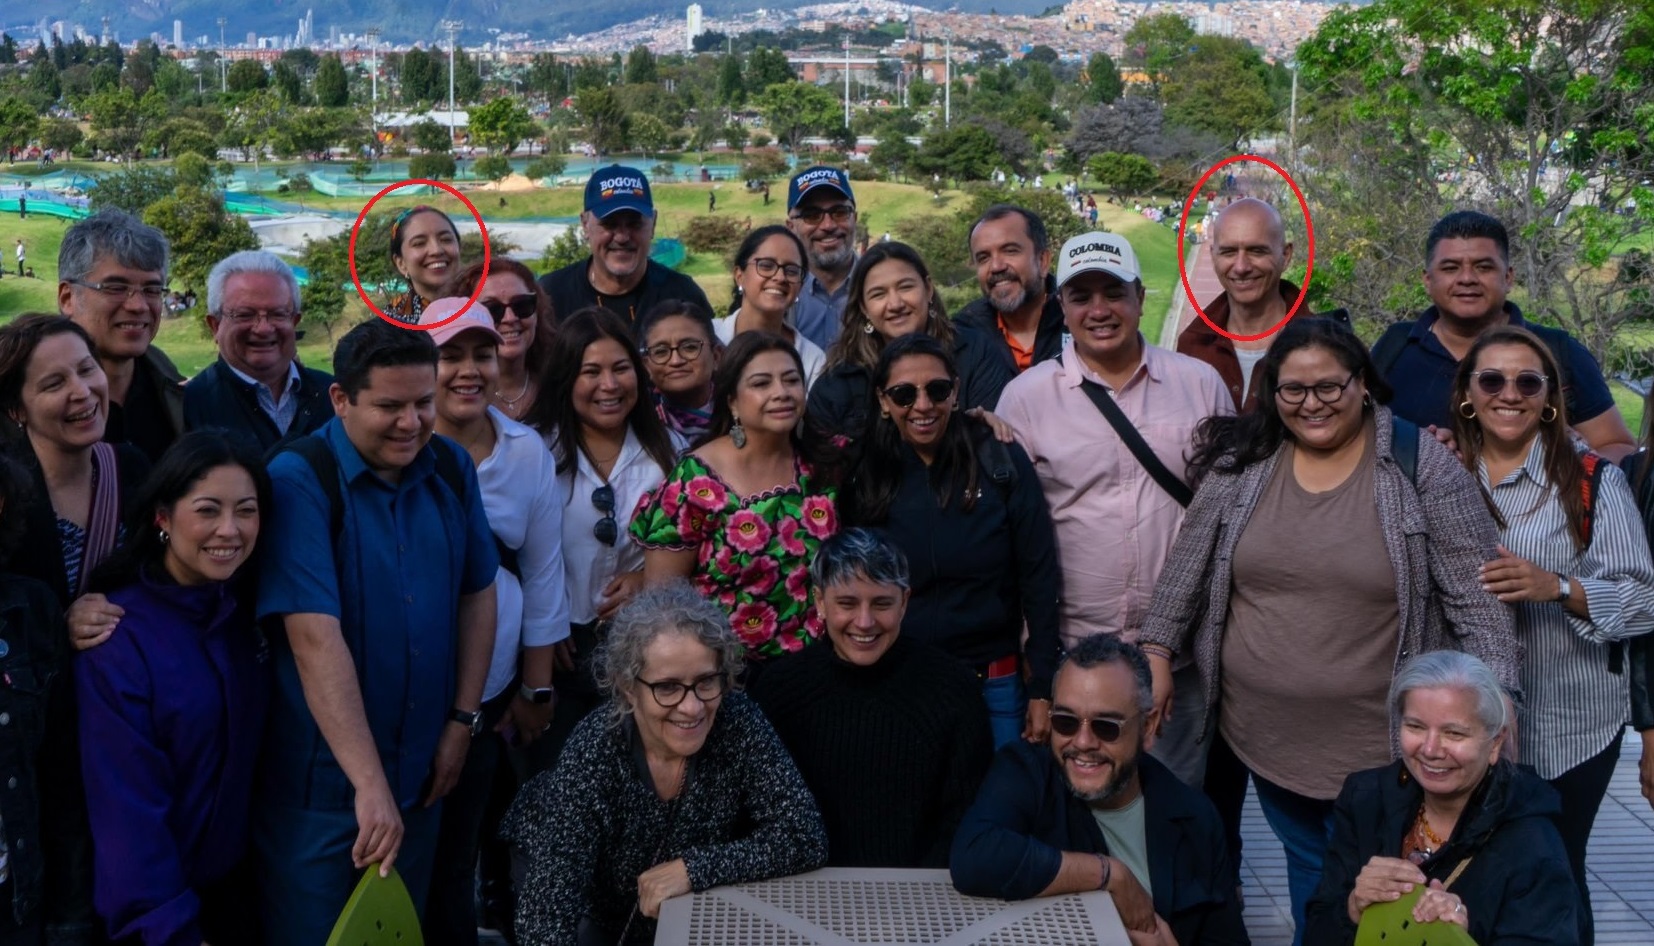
{"x": 394, "y": 579}
{"x": 280, "y": 411}
{"x": 819, "y": 314}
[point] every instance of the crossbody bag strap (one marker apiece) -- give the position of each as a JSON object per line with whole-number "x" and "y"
{"x": 103, "y": 523}
{"x": 1174, "y": 487}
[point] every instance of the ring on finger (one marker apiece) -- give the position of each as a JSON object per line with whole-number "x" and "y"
{"x": 1458, "y": 907}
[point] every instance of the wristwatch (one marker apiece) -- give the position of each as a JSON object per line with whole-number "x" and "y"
{"x": 470, "y": 719}
{"x": 539, "y": 695}
{"x": 1567, "y": 588}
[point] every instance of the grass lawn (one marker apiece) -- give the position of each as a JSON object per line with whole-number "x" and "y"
{"x": 1156, "y": 246}
{"x": 41, "y": 236}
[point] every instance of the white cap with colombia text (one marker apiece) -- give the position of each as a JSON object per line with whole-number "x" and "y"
{"x": 1097, "y": 252}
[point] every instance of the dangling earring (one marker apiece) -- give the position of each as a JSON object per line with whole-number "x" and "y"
{"x": 738, "y": 435}
{"x": 1552, "y": 409}
{"x": 1466, "y": 411}
{"x": 867, "y": 328}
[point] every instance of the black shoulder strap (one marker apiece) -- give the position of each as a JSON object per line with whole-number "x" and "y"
{"x": 315, "y": 452}
{"x": 1404, "y": 446}
{"x": 1387, "y": 350}
{"x": 995, "y": 461}
{"x": 1174, "y": 487}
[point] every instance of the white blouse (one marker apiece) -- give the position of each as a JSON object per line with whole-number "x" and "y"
{"x": 808, "y": 352}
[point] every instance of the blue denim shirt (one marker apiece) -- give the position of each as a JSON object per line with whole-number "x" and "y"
{"x": 819, "y": 314}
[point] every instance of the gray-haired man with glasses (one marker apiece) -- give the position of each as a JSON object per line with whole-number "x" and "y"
{"x": 257, "y": 386}
{"x": 112, "y": 281}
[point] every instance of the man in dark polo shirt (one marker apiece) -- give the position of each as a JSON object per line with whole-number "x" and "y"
{"x": 257, "y": 386}
{"x": 1468, "y": 274}
{"x": 112, "y": 279}
{"x": 619, "y": 226}
{"x": 1249, "y": 252}
{"x": 1019, "y": 307}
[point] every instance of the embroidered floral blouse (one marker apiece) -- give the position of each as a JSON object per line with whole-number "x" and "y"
{"x": 753, "y": 553}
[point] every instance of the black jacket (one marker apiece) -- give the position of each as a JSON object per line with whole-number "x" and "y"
{"x": 842, "y": 398}
{"x": 1640, "y": 659}
{"x": 570, "y": 291}
{"x": 42, "y": 806}
{"x": 41, "y": 557}
{"x": 1011, "y": 843}
{"x": 1517, "y": 889}
{"x": 217, "y": 398}
{"x": 979, "y": 315}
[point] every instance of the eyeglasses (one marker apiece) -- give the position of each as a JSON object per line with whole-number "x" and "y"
{"x": 669, "y": 693}
{"x": 606, "y": 530}
{"x": 1492, "y": 383}
{"x": 906, "y": 395}
{"x": 767, "y": 267}
{"x": 523, "y": 307}
{"x": 1327, "y": 392}
{"x": 152, "y": 292}
{"x": 1106, "y": 730}
{"x": 277, "y": 317}
{"x": 661, "y": 353}
{"x": 840, "y": 213}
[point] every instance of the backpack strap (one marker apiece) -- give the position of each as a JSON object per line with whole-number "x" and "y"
{"x": 995, "y": 461}
{"x": 1404, "y": 446}
{"x": 1387, "y": 350}
{"x": 103, "y": 524}
{"x": 314, "y": 451}
{"x": 1591, "y": 486}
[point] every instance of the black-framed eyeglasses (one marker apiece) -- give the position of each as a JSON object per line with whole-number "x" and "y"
{"x": 1327, "y": 392}
{"x": 607, "y": 529}
{"x": 1067, "y": 725}
{"x": 841, "y": 213}
{"x": 906, "y": 395}
{"x": 153, "y": 292}
{"x": 660, "y": 353}
{"x": 767, "y": 267}
{"x": 276, "y": 317}
{"x": 669, "y": 693}
{"x": 1492, "y": 382}
{"x": 524, "y": 307}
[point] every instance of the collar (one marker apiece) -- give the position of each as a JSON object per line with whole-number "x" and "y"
{"x": 1218, "y": 313}
{"x": 1071, "y": 371}
{"x": 353, "y": 467}
{"x": 294, "y": 378}
{"x": 816, "y": 287}
{"x": 1428, "y": 318}
{"x": 206, "y": 604}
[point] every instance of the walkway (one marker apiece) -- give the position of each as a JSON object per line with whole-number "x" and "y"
{"x": 1206, "y": 287}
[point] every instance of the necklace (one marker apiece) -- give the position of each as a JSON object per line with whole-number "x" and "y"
{"x": 1426, "y": 841}
{"x": 511, "y": 402}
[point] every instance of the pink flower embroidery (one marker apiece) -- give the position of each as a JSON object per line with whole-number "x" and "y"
{"x": 761, "y": 577}
{"x": 671, "y": 497}
{"x": 820, "y": 518}
{"x": 707, "y": 493}
{"x": 725, "y": 564}
{"x": 791, "y": 642}
{"x": 791, "y": 535}
{"x": 754, "y": 623}
{"x": 727, "y": 599}
{"x": 813, "y": 625}
{"x": 748, "y": 532}
{"x": 691, "y": 522}
{"x": 798, "y": 584}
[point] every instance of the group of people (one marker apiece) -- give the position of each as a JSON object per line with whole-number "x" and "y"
{"x": 607, "y": 599}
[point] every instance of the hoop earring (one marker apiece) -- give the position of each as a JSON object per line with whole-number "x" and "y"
{"x": 1466, "y": 411}
{"x": 738, "y": 435}
{"x": 1552, "y": 409}
{"x": 867, "y": 328}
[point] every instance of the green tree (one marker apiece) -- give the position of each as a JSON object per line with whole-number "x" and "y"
{"x": 566, "y": 250}
{"x": 332, "y": 85}
{"x": 963, "y": 152}
{"x": 59, "y": 135}
{"x": 648, "y": 133}
{"x": 177, "y": 137}
{"x": 1123, "y": 175}
{"x": 768, "y": 66}
{"x": 287, "y": 83}
{"x": 252, "y": 124}
{"x": 324, "y": 299}
{"x": 1221, "y": 88}
{"x": 795, "y": 109}
{"x": 732, "y": 86}
{"x": 431, "y": 137}
{"x": 173, "y": 81}
{"x": 193, "y": 170}
{"x": 1102, "y": 79}
{"x": 546, "y": 165}
{"x": 492, "y": 167}
{"x": 360, "y": 169}
{"x": 432, "y": 167}
{"x": 247, "y": 75}
{"x": 604, "y": 119}
{"x": 501, "y": 124}
{"x": 120, "y": 119}
{"x": 18, "y": 122}
{"x": 641, "y": 67}
{"x": 420, "y": 78}
{"x": 1157, "y": 44}
{"x": 893, "y": 155}
{"x": 548, "y": 77}
{"x": 132, "y": 188}
{"x": 736, "y": 137}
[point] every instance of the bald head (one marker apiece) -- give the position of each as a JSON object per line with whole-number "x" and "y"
{"x": 1249, "y": 254}
{"x": 1254, "y": 211}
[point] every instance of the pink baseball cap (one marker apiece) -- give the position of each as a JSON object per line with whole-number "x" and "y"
{"x": 473, "y": 317}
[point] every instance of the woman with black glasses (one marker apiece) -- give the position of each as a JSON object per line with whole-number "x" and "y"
{"x": 769, "y": 272}
{"x": 611, "y": 449}
{"x": 682, "y": 349}
{"x": 522, "y": 313}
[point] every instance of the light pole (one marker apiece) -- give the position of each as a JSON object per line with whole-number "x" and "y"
{"x": 452, "y": 27}
{"x": 223, "y": 72}
{"x": 847, "y": 83}
{"x": 947, "y": 83}
{"x": 373, "y": 80}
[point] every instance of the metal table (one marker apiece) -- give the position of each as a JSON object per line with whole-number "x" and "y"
{"x": 840, "y": 906}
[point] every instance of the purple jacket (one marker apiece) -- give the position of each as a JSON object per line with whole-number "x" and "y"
{"x": 171, "y": 709}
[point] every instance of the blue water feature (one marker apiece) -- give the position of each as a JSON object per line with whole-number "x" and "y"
{"x": 665, "y": 251}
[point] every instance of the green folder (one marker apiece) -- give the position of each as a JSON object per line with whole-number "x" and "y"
{"x": 379, "y": 913}
{"x": 1392, "y": 924}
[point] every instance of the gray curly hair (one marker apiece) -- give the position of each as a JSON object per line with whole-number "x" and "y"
{"x": 671, "y": 608}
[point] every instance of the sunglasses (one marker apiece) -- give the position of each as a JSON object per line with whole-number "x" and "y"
{"x": 906, "y": 395}
{"x": 1492, "y": 383}
{"x": 840, "y": 213}
{"x": 523, "y": 307}
{"x": 1106, "y": 730}
{"x": 606, "y": 530}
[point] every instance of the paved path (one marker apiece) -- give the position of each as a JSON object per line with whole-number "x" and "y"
{"x": 1206, "y": 287}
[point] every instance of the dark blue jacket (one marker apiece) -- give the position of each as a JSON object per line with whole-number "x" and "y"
{"x": 1011, "y": 843}
{"x": 1517, "y": 888}
{"x": 217, "y": 398}
{"x": 1048, "y": 336}
{"x": 172, "y": 709}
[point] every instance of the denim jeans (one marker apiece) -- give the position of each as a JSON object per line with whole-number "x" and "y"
{"x": 1007, "y": 701}
{"x": 1304, "y": 827}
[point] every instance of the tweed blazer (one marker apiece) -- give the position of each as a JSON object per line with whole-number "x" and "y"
{"x": 1437, "y": 535}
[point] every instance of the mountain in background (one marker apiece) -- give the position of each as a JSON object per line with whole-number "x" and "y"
{"x": 399, "y": 21}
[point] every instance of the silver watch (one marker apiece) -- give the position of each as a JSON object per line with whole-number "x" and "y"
{"x": 1567, "y": 590}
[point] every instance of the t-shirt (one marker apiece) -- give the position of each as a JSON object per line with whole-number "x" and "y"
{"x": 1248, "y": 360}
{"x": 1312, "y": 632}
{"x": 1127, "y": 839}
{"x": 571, "y": 290}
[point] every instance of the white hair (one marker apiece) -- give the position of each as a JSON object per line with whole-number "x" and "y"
{"x": 248, "y": 261}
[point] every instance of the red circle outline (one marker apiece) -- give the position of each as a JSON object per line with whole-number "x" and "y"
{"x": 1183, "y": 267}
{"x": 486, "y": 255}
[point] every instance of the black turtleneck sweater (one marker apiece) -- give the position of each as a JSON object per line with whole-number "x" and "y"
{"x": 893, "y": 752}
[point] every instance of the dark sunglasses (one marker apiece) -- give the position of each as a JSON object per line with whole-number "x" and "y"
{"x": 524, "y": 307}
{"x": 606, "y": 530}
{"x": 906, "y": 395}
{"x": 1492, "y": 383}
{"x": 1106, "y": 730}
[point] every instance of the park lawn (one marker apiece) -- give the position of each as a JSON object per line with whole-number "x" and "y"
{"x": 41, "y": 237}
{"x": 1156, "y": 246}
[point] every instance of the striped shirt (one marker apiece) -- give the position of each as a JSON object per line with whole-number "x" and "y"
{"x": 1575, "y": 706}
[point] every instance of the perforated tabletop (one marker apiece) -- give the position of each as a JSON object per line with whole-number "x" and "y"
{"x": 855, "y": 907}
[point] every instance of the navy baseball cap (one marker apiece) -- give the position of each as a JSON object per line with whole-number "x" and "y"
{"x": 618, "y": 188}
{"x": 819, "y": 176}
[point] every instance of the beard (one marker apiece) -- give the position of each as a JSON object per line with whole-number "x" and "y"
{"x": 1124, "y": 771}
{"x": 1012, "y": 303}
{"x": 833, "y": 261}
